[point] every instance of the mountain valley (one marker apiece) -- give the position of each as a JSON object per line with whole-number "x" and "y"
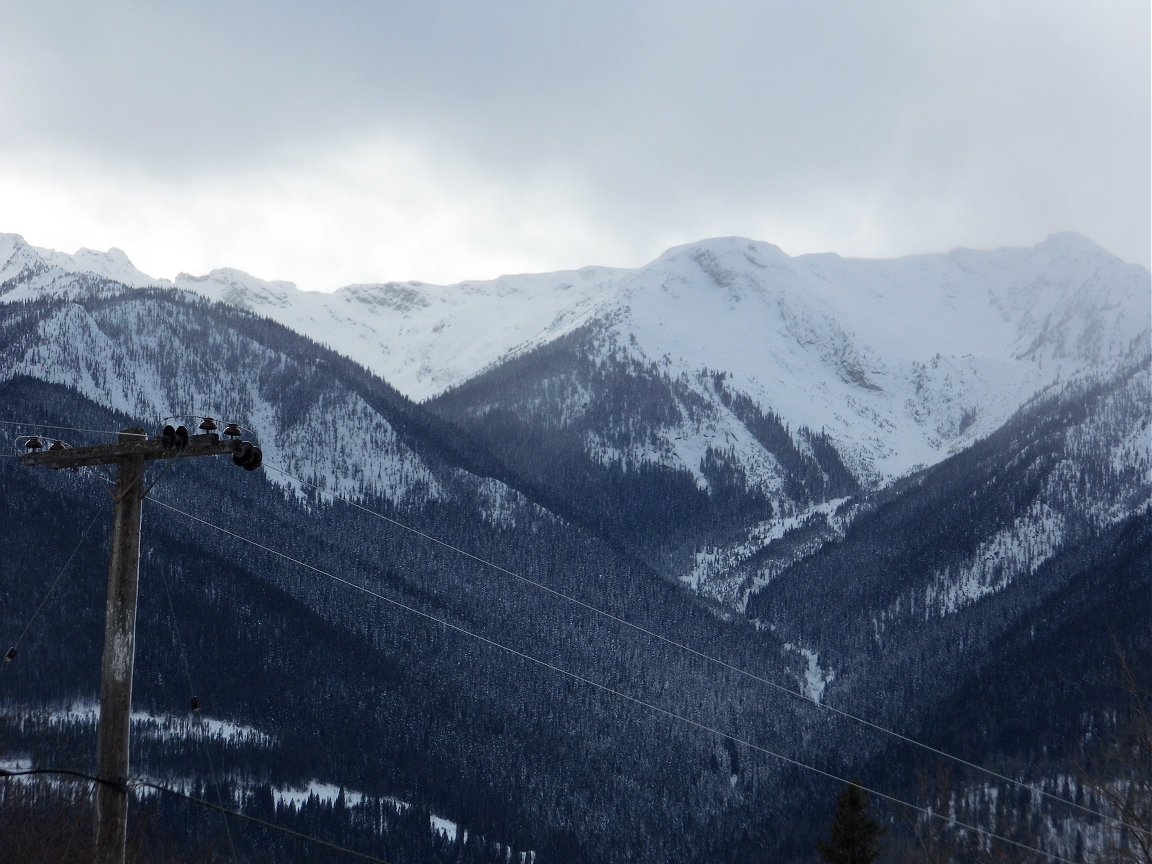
{"x": 603, "y": 565}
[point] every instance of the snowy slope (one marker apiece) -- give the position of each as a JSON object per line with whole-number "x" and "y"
{"x": 901, "y": 362}
{"x": 421, "y": 338}
{"x": 28, "y": 272}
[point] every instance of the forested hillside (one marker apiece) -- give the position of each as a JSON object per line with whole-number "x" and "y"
{"x": 589, "y": 606}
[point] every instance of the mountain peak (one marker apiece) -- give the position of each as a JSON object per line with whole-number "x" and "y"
{"x": 113, "y": 264}
{"x": 238, "y": 288}
{"x": 721, "y": 247}
{"x": 10, "y": 245}
{"x": 1072, "y": 242}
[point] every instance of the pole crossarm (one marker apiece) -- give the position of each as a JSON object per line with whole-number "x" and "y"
{"x": 150, "y": 450}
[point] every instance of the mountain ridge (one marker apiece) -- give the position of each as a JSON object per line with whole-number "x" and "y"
{"x": 594, "y": 465}
{"x": 899, "y": 361}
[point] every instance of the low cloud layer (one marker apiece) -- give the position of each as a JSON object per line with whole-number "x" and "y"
{"x": 442, "y": 141}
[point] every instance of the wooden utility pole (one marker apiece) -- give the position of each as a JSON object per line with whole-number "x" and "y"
{"x": 131, "y": 456}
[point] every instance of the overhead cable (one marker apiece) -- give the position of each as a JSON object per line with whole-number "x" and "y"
{"x": 704, "y": 656}
{"x": 69, "y": 428}
{"x": 11, "y": 655}
{"x": 6, "y": 773}
{"x": 205, "y": 749}
{"x": 956, "y": 823}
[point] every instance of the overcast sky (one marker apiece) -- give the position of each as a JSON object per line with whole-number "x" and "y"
{"x": 337, "y": 142}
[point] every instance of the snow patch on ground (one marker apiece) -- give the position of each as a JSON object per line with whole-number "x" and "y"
{"x": 327, "y": 793}
{"x": 164, "y": 726}
{"x": 816, "y": 677}
{"x": 1018, "y": 550}
{"x": 715, "y": 570}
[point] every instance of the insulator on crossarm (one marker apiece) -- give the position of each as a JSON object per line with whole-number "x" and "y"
{"x": 232, "y": 430}
{"x": 208, "y": 425}
{"x": 248, "y": 457}
{"x": 57, "y": 445}
{"x": 34, "y": 443}
{"x": 168, "y": 437}
{"x": 181, "y": 437}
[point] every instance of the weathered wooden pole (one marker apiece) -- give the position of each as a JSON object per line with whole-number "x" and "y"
{"x": 131, "y": 455}
{"x": 119, "y": 658}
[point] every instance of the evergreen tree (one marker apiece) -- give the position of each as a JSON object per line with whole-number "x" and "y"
{"x": 855, "y": 835}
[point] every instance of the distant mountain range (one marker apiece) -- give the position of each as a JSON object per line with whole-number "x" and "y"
{"x": 900, "y": 362}
{"x": 915, "y": 490}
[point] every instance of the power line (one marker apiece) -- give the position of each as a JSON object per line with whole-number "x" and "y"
{"x": 51, "y": 588}
{"x": 956, "y": 823}
{"x": 63, "y": 772}
{"x": 64, "y": 428}
{"x": 166, "y": 790}
{"x": 196, "y": 707}
{"x": 672, "y": 642}
{"x": 681, "y": 646}
{"x": 316, "y": 841}
{"x": 703, "y": 656}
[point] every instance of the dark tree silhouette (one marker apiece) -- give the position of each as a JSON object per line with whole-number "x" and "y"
{"x": 855, "y": 835}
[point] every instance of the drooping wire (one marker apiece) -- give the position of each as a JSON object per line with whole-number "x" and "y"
{"x": 69, "y": 773}
{"x": 179, "y": 645}
{"x": 69, "y": 428}
{"x": 955, "y": 823}
{"x": 6, "y": 774}
{"x": 590, "y": 607}
{"x": 702, "y": 655}
{"x": 11, "y": 655}
{"x": 316, "y": 841}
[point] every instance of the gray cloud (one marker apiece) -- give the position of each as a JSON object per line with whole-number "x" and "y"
{"x": 875, "y": 128}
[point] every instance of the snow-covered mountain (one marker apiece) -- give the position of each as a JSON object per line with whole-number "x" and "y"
{"x": 726, "y": 415}
{"x": 903, "y": 361}
{"x": 420, "y": 338}
{"x": 899, "y": 362}
{"x": 29, "y": 272}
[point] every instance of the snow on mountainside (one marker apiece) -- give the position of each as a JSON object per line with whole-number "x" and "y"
{"x": 34, "y": 271}
{"x": 900, "y": 362}
{"x": 903, "y": 361}
{"x": 421, "y": 338}
{"x": 126, "y": 354}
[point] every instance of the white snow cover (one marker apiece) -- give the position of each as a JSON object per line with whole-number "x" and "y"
{"x": 1031, "y": 540}
{"x": 327, "y": 793}
{"x": 421, "y": 338}
{"x": 16, "y": 255}
{"x": 159, "y": 725}
{"x": 816, "y": 677}
{"x": 121, "y": 372}
{"x": 900, "y": 361}
{"x": 113, "y": 264}
{"x": 715, "y": 572}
